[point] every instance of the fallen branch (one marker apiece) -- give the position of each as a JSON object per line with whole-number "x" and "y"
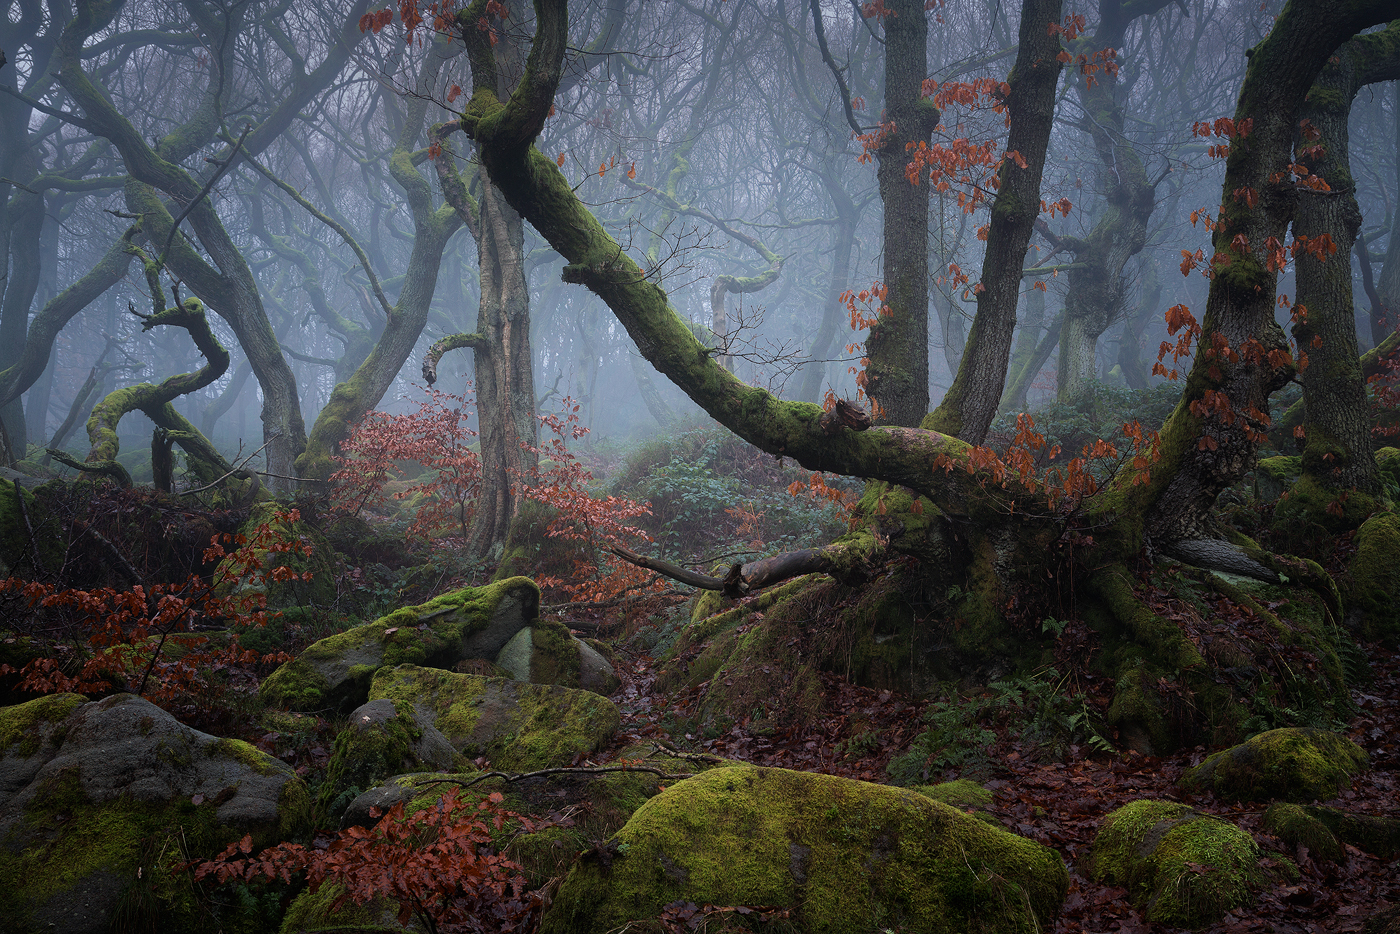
{"x": 742, "y": 579}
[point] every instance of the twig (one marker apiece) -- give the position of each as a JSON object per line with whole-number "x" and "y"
{"x": 235, "y": 469}
{"x": 117, "y": 557}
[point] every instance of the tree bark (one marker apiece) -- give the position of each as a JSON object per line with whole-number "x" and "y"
{"x": 971, "y": 402}
{"x": 897, "y": 346}
{"x": 1337, "y": 452}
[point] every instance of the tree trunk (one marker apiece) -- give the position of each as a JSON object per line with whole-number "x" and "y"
{"x": 1338, "y": 451}
{"x": 897, "y": 346}
{"x": 1094, "y": 298}
{"x": 971, "y": 402}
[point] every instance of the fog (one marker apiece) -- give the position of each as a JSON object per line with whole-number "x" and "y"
{"x": 711, "y": 138}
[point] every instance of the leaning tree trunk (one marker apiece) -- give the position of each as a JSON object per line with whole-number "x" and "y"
{"x": 1337, "y": 452}
{"x": 1241, "y": 355}
{"x": 970, "y": 403}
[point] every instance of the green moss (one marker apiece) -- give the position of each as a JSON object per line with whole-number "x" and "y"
{"x": 319, "y": 590}
{"x": 845, "y": 856}
{"x": 65, "y": 842}
{"x": 963, "y": 794}
{"x": 1376, "y": 835}
{"x": 1293, "y": 764}
{"x": 311, "y": 911}
{"x": 1296, "y": 827}
{"x": 1181, "y": 867}
{"x": 1375, "y": 588}
{"x": 26, "y": 724}
{"x": 517, "y": 726}
{"x": 363, "y": 756}
{"x": 296, "y": 685}
{"x": 554, "y": 655}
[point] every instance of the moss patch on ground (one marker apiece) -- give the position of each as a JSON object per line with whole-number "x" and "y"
{"x": 1180, "y": 867}
{"x": 844, "y": 856}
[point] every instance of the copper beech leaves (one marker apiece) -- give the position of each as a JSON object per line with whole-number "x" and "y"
{"x": 439, "y": 865}
{"x": 126, "y": 631}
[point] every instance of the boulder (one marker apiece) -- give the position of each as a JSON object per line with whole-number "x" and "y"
{"x": 547, "y": 653}
{"x": 115, "y": 795}
{"x": 1373, "y": 603}
{"x": 1181, "y": 867}
{"x": 383, "y": 738}
{"x": 312, "y": 578}
{"x": 840, "y": 855}
{"x": 475, "y": 622}
{"x": 518, "y": 726}
{"x": 1290, "y": 764}
{"x": 1324, "y": 830}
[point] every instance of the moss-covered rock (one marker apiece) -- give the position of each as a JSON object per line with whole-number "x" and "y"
{"x": 844, "y": 856}
{"x": 104, "y": 825}
{"x": 384, "y": 738}
{"x": 1180, "y": 867}
{"x": 1290, "y": 764}
{"x": 1296, "y": 827}
{"x": 1273, "y": 476}
{"x": 30, "y": 542}
{"x": 30, "y": 735}
{"x": 547, "y": 653}
{"x": 475, "y": 622}
{"x": 517, "y": 726}
{"x": 295, "y": 590}
{"x": 1373, "y": 604}
{"x": 1324, "y": 829}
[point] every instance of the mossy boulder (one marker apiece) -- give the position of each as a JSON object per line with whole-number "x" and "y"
{"x": 475, "y": 622}
{"x": 1181, "y": 867}
{"x": 842, "y": 855}
{"x": 1373, "y": 605}
{"x": 296, "y": 590}
{"x": 1273, "y": 476}
{"x": 1290, "y": 764}
{"x": 30, "y": 538}
{"x": 1324, "y": 829}
{"x": 516, "y": 725}
{"x": 547, "y": 653}
{"x": 1296, "y": 827}
{"x": 124, "y": 794}
{"x": 384, "y": 738}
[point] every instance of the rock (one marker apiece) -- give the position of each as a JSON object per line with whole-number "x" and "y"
{"x": 518, "y": 726}
{"x": 845, "y": 856}
{"x": 1323, "y": 830}
{"x": 1180, "y": 867}
{"x": 547, "y": 653}
{"x": 122, "y": 795}
{"x": 475, "y": 622}
{"x": 383, "y": 738}
{"x": 1291, "y": 764}
{"x": 319, "y": 590}
{"x": 1373, "y": 604}
{"x": 963, "y": 794}
{"x": 1296, "y": 827}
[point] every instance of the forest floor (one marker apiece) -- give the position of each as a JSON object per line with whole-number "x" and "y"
{"x": 1061, "y": 800}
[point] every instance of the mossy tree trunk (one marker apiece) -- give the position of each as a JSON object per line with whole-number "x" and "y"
{"x": 1337, "y": 453}
{"x": 227, "y": 285}
{"x": 1241, "y": 357}
{"x": 1094, "y": 299}
{"x": 970, "y": 403}
{"x": 433, "y": 227}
